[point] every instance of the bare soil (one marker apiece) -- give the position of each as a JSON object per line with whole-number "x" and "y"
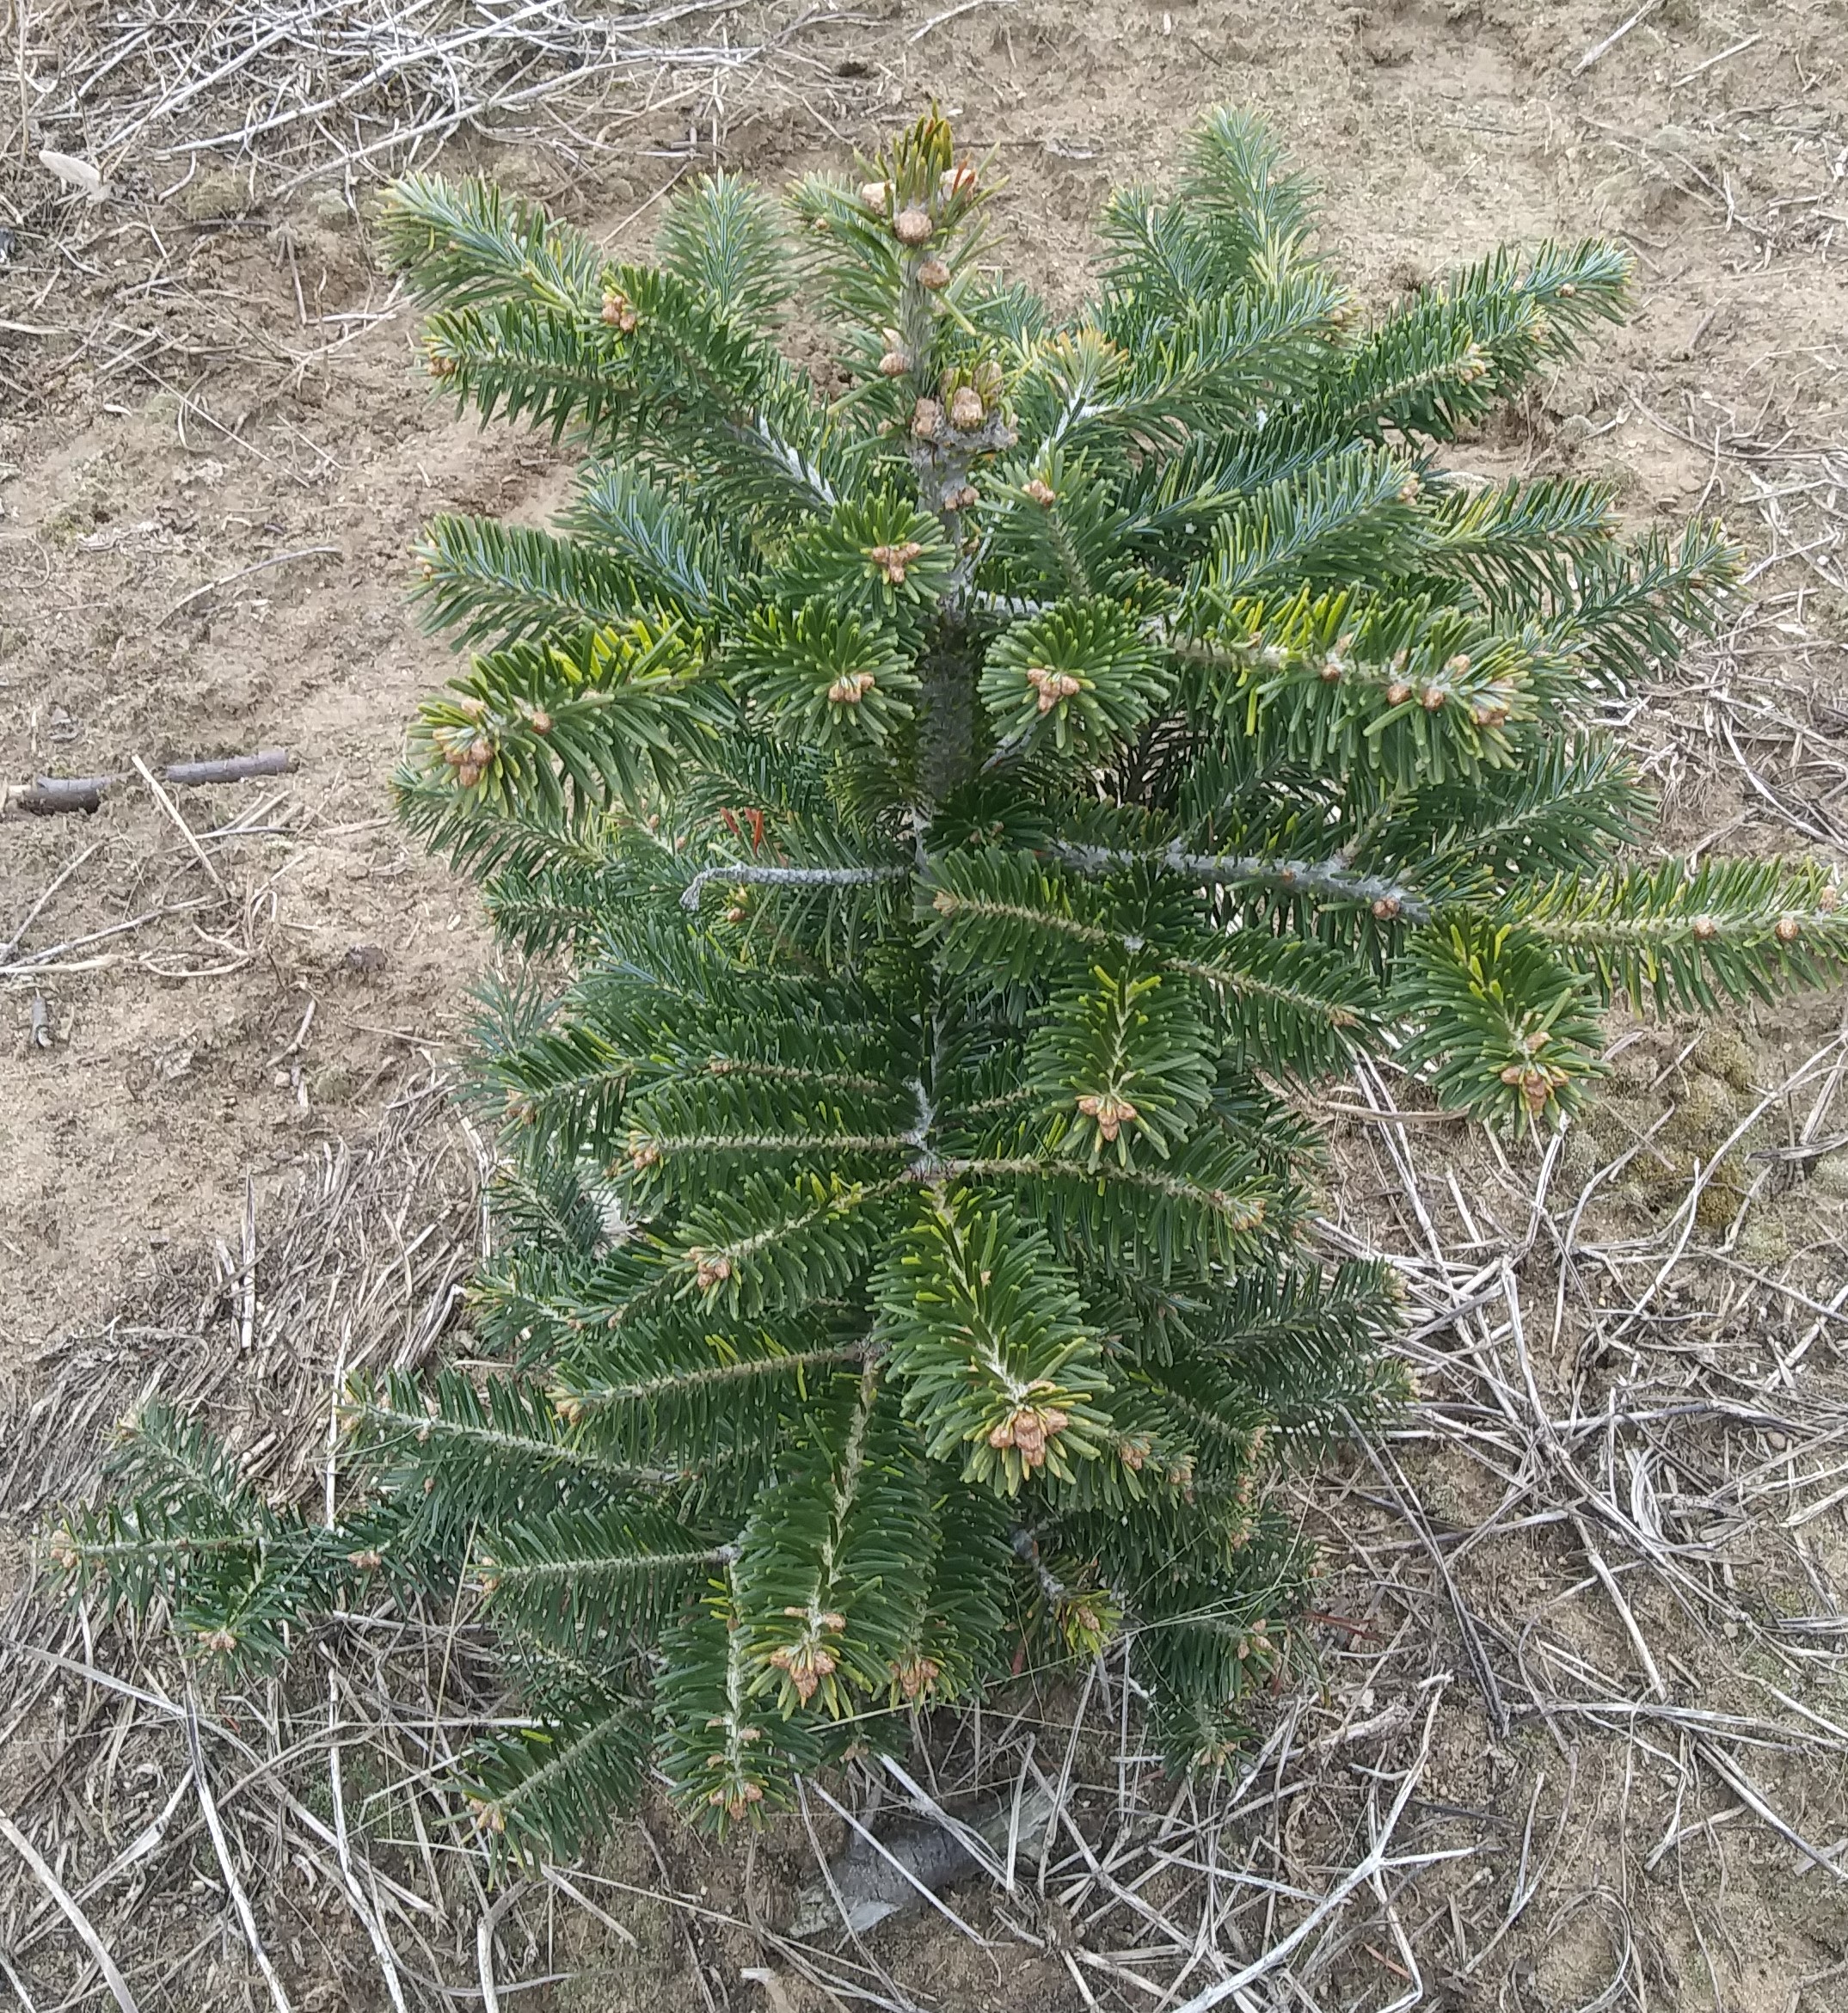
{"x": 215, "y": 452}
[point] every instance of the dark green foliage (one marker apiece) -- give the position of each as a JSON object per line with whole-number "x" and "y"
{"x": 954, "y": 814}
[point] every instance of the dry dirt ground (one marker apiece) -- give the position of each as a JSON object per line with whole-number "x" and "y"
{"x": 215, "y": 450}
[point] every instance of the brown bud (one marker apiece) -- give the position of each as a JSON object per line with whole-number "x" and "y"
{"x": 709, "y": 1271}
{"x": 851, "y": 687}
{"x": 1111, "y": 1113}
{"x": 1385, "y": 908}
{"x": 927, "y": 419}
{"x": 1788, "y": 929}
{"x": 442, "y": 366}
{"x": 963, "y": 499}
{"x": 1569, "y": 290}
{"x": 934, "y": 274}
{"x": 1398, "y": 692}
{"x": 618, "y": 310}
{"x": 1432, "y": 698}
{"x": 1827, "y": 902}
{"x": 367, "y": 1562}
{"x": 1027, "y": 1429}
{"x": 1041, "y": 492}
{"x": 1706, "y": 928}
{"x": 875, "y": 195}
{"x": 805, "y": 1665}
{"x": 542, "y": 721}
{"x": 916, "y": 1675}
{"x": 467, "y": 775}
{"x": 912, "y": 227}
{"x": 892, "y": 559}
{"x": 892, "y": 365}
{"x": 967, "y": 411}
{"x": 1053, "y": 685}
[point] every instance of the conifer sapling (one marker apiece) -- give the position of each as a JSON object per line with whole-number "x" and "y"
{"x": 950, "y": 804}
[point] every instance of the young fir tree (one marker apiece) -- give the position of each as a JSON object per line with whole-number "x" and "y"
{"x": 966, "y": 788}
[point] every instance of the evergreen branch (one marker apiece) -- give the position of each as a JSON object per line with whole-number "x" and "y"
{"x": 555, "y": 1787}
{"x": 981, "y": 1326}
{"x": 1501, "y": 1020}
{"x": 654, "y": 1139}
{"x": 800, "y": 475}
{"x": 1351, "y": 511}
{"x": 1536, "y": 535}
{"x": 466, "y": 243}
{"x": 579, "y": 1394}
{"x": 787, "y": 1241}
{"x": 725, "y": 1755}
{"x": 509, "y": 583}
{"x": 484, "y": 839}
{"x": 746, "y": 876}
{"x": 1676, "y": 938}
{"x": 1565, "y": 810}
{"x": 1239, "y": 178}
{"x": 593, "y": 1558}
{"x": 634, "y": 525}
{"x": 1237, "y": 1212}
{"x": 512, "y": 1426}
{"x": 1331, "y": 880}
{"x": 723, "y": 237}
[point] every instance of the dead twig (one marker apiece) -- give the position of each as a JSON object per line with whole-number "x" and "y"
{"x": 51, "y": 794}
{"x": 1615, "y": 35}
{"x": 227, "y": 1866}
{"x": 10, "y": 948}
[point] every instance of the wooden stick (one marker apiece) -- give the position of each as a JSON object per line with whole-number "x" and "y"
{"x": 43, "y": 802}
{"x": 50, "y": 794}
{"x": 227, "y": 768}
